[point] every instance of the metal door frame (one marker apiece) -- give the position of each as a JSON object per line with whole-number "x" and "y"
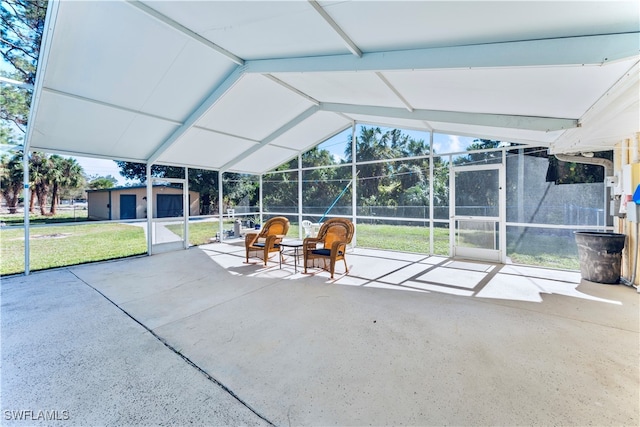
{"x": 498, "y": 255}
{"x": 158, "y": 247}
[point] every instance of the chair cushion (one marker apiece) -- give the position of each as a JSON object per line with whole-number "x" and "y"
{"x": 261, "y": 245}
{"x": 324, "y": 252}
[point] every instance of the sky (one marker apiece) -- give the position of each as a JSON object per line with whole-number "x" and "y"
{"x": 101, "y": 167}
{"x": 441, "y": 143}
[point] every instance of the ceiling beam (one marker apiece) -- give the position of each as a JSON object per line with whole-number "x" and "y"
{"x": 329, "y": 20}
{"x": 280, "y": 131}
{"x": 184, "y": 30}
{"x": 587, "y": 50}
{"x": 544, "y": 124}
{"x": 200, "y": 111}
{"x": 395, "y": 91}
{"x": 109, "y": 105}
{"x": 292, "y": 89}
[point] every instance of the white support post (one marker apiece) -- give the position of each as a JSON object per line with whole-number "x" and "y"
{"x": 520, "y": 191}
{"x": 354, "y": 184}
{"x": 502, "y": 214}
{"x": 452, "y": 208}
{"x": 186, "y": 207}
{"x": 220, "y": 207}
{"x": 300, "y": 230}
{"x": 260, "y": 196}
{"x": 149, "y": 210}
{"x": 431, "y": 187}
{"x": 27, "y": 199}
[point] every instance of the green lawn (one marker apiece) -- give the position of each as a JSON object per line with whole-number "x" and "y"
{"x": 63, "y": 215}
{"x": 543, "y": 250}
{"x": 402, "y": 238}
{"x": 80, "y": 243}
{"x": 69, "y": 245}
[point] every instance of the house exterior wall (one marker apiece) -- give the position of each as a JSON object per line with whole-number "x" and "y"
{"x": 100, "y": 202}
{"x": 627, "y": 156}
{"x": 98, "y": 205}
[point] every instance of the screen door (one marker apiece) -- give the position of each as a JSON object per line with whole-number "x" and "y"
{"x": 475, "y": 224}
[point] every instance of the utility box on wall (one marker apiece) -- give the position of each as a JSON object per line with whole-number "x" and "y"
{"x": 614, "y": 208}
{"x": 630, "y": 178}
{"x": 633, "y": 212}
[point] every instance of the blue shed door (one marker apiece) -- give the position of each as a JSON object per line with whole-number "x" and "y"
{"x": 127, "y": 206}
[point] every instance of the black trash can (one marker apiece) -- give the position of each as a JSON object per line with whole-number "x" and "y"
{"x": 600, "y": 255}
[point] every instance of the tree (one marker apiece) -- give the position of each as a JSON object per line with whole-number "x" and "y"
{"x": 391, "y": 183}
{"x": 280, "y": 190}
{"x": 138, "y": 171}
{"x": 372, "y": 145}
{"x": 205, "y": 182}
{"x": 20, "y": 37}
{"x": 39, "y": 176}
{"x": 314, "y": 157}
{"x": 65, "y": 174}
{"x": 101, "y": 182}
{"x": 473, "y": 157}
{"x": 14, "y": 108}
{"x": 21, "y": 34}
{"x": 11, "y": 180}
{"x": 473, "y": 194}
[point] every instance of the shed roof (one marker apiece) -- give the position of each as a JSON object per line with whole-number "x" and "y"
{"x": 131, "y": 187}
{"x": 244, "y": 86}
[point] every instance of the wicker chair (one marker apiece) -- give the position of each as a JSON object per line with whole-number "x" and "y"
{"x": 334, "y": 236}
{"x": 269, "y": 238}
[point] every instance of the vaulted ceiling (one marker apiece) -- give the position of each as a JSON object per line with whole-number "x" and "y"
{"x": 244, "y": 86}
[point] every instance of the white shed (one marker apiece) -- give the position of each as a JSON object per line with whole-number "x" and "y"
{"x": 131, "y": 202}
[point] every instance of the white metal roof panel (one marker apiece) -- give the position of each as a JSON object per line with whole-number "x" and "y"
{"x": 390, "y": 122}
{"x": 214, "y": 149}
{"x": 254, "y": 109}
{"x": 277, "y": 29}
{"x": 522, "y": 136}
{"x": 363, "y": 88}
{"x": 266, "y": 159}
{"x": 312, "y": 131}
{"x": 93, "y": 59}
{"x": 95, "y": 129}
{"x": 240, "y": 86}
{"x": 562, "y": 91}
{"x": 386, "y": 25}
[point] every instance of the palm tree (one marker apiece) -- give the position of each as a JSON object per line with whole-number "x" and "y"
{"x": 39, "y": 175}
{"x": 11, "y": 181}
{"x": 55, "y": 178}
{"x": 64, "y": 174}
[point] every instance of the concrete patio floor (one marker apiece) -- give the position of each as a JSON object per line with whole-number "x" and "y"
{"x": 200, "y": 337}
